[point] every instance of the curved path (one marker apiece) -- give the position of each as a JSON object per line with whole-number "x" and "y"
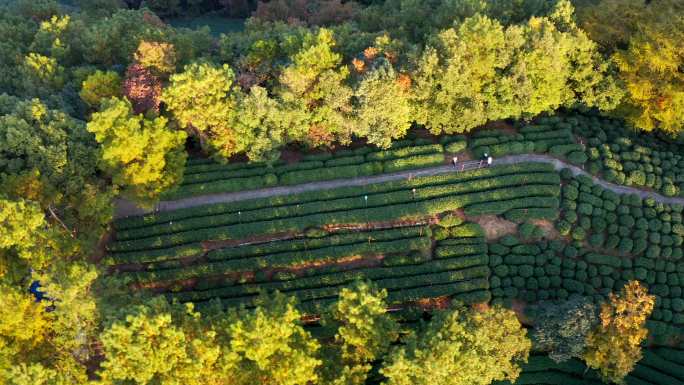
{"x": 125, "y": 208}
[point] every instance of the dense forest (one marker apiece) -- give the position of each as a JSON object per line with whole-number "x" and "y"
{"x": 104, "y": 102}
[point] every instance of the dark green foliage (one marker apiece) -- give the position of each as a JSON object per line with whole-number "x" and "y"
{"x": 561, "y": 329}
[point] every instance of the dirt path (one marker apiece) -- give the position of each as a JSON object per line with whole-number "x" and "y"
{"x": 126, "y": 208}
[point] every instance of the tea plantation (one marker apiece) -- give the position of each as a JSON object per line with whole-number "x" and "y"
{"x": 420, "y": 238}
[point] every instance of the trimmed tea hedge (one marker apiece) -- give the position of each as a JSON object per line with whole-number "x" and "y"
{"x": 619, "y": 155}
{"x": 211, "y": 178}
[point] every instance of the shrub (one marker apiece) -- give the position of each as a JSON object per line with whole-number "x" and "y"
{"x": 585, "y": 209}
{"x": 577, "y": 157}
{"x": 416, "y": 161}
{"x": 456, "y": 147}
{"x": 563, "y": 150}
{"x": 522, "y": 215}
{"x": 578, "y": 234}
{"x": 450, "y": 220}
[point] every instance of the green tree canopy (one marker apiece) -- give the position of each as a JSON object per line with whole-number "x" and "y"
{"x": 481, "y": 71}
{"x": 646, "y": 40}
{"x": 461, "y": 347}
{"x": 48, "y": 157}
{"x": 262, "y": 125}
{"x": 160, "y": 343}
{"x": 364, "y": 333}
{"x": 203, "y": 99}
{"x": 562, "y": 329}
{"x": 100, "y": 86}
{"x": 144, "y": 156}
{"x": 268, "y": 344}
{"x": 315, "y": 84}
{"x": 383, "y": 108}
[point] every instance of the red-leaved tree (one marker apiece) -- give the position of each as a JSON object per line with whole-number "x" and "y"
{"x": 142, "y": 88}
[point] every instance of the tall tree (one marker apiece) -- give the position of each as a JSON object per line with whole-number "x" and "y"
{"x": 22, "y": 330}
{"x": 142, "y": 88}
{"x": 157, "y": 57}
{"x": 23, "y": 233}
{"x": 268, "y": 344}
{"x": 49, "y": 341}
{"x": 160, "y": 343}
{"x": 144, "y": 156}
{"x": 460, "y": 81}
{"x": 562, "y": 329}
{"x": 646, "y": 41}
{"x": 314, "y": 84}
{"x": 382, "y": 104}
{"x": 50, "y": 158}
{"x": 482, "y": 71}
{"x": 99, "y": 86}
{"x": 461, "y": 347}
{"x": 203, "y": 99}
{"x": 364, "y": 334}
{"x": 614, "y": 347}
{"x": 262, "y": 125}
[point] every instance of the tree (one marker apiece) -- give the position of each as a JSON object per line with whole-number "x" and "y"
{"x": 160, "y": 58}
{"x": 383, "y": 108}
{"x": 314, "y": 84}
{"x": 614, "y": 347}
{"x": 142, "y": 88}
{"x": 203, "y": 99}
{"x": 364, "y": 333}
{"x": 262, "y": 125}
{"x": 646, "y": 41}
{"x": 75, "y": 317}
{"x": 97, "y": 9}
{"x": 38, "y": 10}
{"x": 160, "y": 343}
{"x": 50, "y": 158}
{"x": 268, "y": 345}
{"x": 163, "y": 7}
{"x": 143, "y": 155}
{"x": 22, "y": 330}
{"x": 42, "y": 74}
{"x": 316, "y": 12}
{"x": 22, "y": 234}
{"x": 33, "y": 374}
{"x": 651, "y": 69}
{"x": 482, "y": 71}
{"x": 99, "y": 86}
{"x": 113, "y": 40}
{"x": 461, "y": 346}
{"x": 236, "y": 8}
{"x": 459, "y": 81}
{"x": 48, "y": 347}
{"x": 18, "y": 33}
{"x": 562, "y": 329}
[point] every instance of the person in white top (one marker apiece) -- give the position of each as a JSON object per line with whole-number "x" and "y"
{"x": 455, "y": 160}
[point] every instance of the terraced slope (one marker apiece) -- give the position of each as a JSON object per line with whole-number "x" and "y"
{"x": 312, "y": 244}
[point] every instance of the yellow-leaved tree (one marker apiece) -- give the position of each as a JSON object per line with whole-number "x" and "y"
{"x": 646, "y": 41}
{"x": 461, "y": 347}
{"x": 614, "y": 346}
{"x": 144, "y": 156}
